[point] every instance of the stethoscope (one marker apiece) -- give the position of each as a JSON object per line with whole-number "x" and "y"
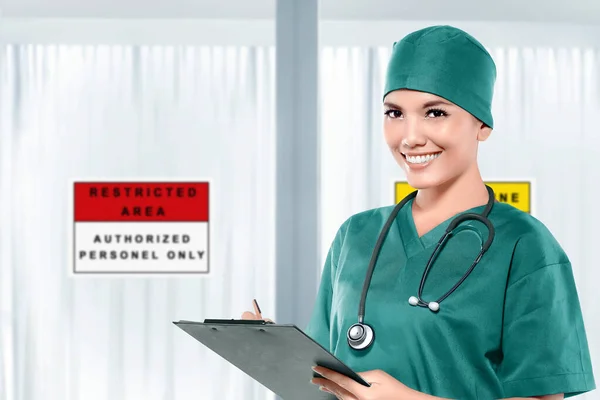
{"x": 360, "y": 335}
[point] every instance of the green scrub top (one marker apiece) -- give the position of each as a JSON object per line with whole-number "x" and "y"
{"x": 514, "y": 328}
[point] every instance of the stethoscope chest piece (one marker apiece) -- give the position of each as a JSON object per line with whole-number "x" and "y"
{"x": 360, "y": 336}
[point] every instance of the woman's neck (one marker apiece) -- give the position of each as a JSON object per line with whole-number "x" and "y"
{"x": 465, "y": 192}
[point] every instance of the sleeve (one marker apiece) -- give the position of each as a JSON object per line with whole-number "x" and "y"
{"x": 319, "y": 326}
{"x": 544, "y": 344}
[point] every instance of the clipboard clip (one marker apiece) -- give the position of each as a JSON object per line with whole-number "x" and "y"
{"x": 238, "y": 321}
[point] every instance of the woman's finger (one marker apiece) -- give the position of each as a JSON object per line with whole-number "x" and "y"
{"x": 335, "y": 389}
{"x": 249, "y": 315}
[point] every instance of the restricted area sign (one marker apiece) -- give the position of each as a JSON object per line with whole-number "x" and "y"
{"x": 517, "y": 193}
{"x": 140, "y": 227}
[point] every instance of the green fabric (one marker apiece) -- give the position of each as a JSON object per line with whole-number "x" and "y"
{"x": 514, "y": 328}
{"x": 447, "y": 62}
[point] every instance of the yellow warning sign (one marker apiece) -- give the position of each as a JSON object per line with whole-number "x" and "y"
{"x": 517, "y": 194}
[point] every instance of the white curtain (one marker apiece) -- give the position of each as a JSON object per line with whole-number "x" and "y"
{"x": 546, "y": 129}
{"x": 207, "y": 112}
{"x": 112, "y": 112}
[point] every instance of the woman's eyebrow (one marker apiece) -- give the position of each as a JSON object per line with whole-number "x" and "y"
{"x": 431, "y": 103}
{"x": 392, "y": 105}
{"x": 434, "y": 103}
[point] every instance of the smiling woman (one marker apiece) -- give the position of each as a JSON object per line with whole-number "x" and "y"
{"x": 471, "y": 321}
{"x": 425, "y": 132}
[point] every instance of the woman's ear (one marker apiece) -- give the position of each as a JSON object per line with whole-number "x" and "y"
{"x": 484, "y": 132}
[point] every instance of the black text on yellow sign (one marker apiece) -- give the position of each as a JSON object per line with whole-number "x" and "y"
{"x": 517, "y": 194}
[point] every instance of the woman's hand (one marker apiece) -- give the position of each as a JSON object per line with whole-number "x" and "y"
{"x": 256, "y": 315}
{"x": 383, "y": 386}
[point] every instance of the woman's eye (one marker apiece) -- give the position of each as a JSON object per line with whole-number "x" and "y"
{"x": 435, "y": 113}
{"x": 393, "y": 114}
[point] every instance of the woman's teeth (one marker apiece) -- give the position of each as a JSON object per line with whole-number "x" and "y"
{"x": 422, "y": 159}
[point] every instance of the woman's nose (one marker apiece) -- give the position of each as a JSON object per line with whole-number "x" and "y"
{"x": 413, "y": 135}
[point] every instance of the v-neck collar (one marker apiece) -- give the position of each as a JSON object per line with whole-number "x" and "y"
{"x": 413, "y": 244}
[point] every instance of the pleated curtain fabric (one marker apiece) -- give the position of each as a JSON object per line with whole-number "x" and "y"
{"x": 112, "y": 112}
{"x": 188, "y": 112}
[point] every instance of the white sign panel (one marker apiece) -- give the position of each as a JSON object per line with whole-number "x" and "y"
{"x": 141, "y": 227}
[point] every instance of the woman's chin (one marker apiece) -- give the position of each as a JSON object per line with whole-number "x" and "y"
{"x": 423, "y": 183}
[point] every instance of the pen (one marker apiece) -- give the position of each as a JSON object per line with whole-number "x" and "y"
{"x": 257, "y": 309}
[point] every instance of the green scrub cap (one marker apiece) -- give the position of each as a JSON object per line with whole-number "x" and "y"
{"x": 447, "y": 62}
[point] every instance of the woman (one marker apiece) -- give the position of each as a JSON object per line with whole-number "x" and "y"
{"x": 513, "y": 328}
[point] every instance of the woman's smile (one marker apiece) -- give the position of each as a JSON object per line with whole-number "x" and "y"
{"x": 420, "y": 161}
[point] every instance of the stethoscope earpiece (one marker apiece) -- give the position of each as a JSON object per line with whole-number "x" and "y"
{"x": 433, "y": 305}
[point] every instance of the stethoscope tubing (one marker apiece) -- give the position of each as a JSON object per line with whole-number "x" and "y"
{"x": 483, "y": 217}
{"x": 360, "y": 335}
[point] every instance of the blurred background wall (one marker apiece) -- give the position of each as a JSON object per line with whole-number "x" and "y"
{"x": 186, "y": 90}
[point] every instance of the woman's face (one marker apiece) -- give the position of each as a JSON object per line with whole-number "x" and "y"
{"x": 433, "y": 140}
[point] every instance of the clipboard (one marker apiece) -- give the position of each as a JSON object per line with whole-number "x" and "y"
{"x": 279, "y": 356}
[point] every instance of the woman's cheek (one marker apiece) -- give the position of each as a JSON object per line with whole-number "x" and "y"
{"x": 392, "y": 134}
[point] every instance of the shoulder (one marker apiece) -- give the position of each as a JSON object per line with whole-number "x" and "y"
{"x": 511, "y": 221}
{"x": 361, "y": 228}
{"x": 532, "y": 243}
{"x": 364, "y": 220}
